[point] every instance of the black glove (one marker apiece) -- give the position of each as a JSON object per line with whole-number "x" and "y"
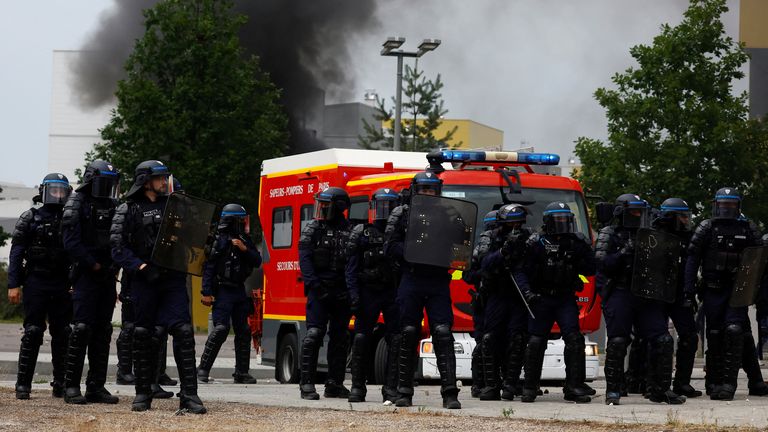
{"x": 151, "y": 273}
{"x": 531, "y": 297}
{"x": 354, "y": 304}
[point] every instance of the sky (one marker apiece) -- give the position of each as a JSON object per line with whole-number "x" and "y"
{"x": 528, "y": 67}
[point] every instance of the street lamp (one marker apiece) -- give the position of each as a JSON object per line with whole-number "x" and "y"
{"x": 391, "y": 48}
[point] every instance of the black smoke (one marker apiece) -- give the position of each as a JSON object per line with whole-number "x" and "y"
{"x": 302, "y": 44}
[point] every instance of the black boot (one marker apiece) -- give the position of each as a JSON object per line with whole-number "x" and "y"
{"x": 162, "y": 376}
{"x": 660, "y": 368}
{"x": 514, "y": 359}
{"x": 477, "y": 373}
{"x": 714, "y": 361}
{"x": 243, "y": 359}
{"x": 750, "y": 364}
{"x": 490, "y": 392}
{"x": 615, "y": 352}
{"x": 357, "y": 366}
{"x": 634, "y": 377}
{"x": 30, "y": 346}
{"x": 184, "y": 354}
{"x": 442, "y": 338}
{"x": 144, "y": 357}
{"x": 687, "y": 345}
{"x": 310, "y": 347}
{"x": 98, "y": 361}
{"x": 575, "y": 361}
{"x": 59, "y": 343}
{"x": 78, "y": 344}
{"x": 160, "y": 342}
{"x": 389, "y": 389}
{"x": 534, "y": 359}
{"x": 409, "y": 341}
{"x": 733, "y": 345}
{"x": 124, "y": 347}
{"x": 211, "y": 350}
{"x": 337, "y": 368}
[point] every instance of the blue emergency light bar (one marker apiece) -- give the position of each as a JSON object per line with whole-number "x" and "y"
{"x": 490, "y": 156}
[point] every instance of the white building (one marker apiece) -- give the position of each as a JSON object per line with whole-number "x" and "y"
{"x": 14, "y": 200}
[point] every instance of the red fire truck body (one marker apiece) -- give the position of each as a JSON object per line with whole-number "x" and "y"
{"x": 288, "y": 186}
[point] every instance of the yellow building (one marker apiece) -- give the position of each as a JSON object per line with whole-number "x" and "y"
{"x": 753, "y": 32}
{"x": 471, "y": 134}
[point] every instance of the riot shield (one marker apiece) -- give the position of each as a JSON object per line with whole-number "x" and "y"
{"x": 187, "y": 227}
{"x": 748, "y": 276}
{"x": 440, "y": 231}
{"x": 657, "y": 265}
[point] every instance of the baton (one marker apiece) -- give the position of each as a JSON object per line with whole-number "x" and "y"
{"x": 519, "y": 291}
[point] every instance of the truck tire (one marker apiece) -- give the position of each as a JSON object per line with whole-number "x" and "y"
{"x": 380, "y": 362}
{"x": 287, "y": 363}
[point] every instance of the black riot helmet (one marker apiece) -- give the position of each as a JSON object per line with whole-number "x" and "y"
{"x": 234, "y": 219}
{"x": 383, "y": 201}
{"x": 102, "y": 179}
{"x": 511, "y": 216}
{"x": 331, "y": 203}
{"x": 175, "y": 185}
{"x": 144, "y": 172}
{"x": 726, "y": 204}
{"x": 676, "y": 214}
{"x": 426, "y": 183}
{"x": 559, "y": 219}
{"x": 490, "y": 221}
{"x": 54, "y": 189}
{"x": 631, "y": 211}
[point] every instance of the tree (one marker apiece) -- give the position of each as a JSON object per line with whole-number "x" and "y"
{"x": 422, "y": 113}
{"x": 4, "y": 236}
{"x": 194, "y": 100}
{"x": 675, "y": 128}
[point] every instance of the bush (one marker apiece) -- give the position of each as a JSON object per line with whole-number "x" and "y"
{"x": 7, "y": 310}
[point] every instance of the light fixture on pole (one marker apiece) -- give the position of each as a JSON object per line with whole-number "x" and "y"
{"x": 391, "y": 48}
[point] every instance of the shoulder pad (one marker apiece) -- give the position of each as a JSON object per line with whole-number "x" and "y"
{"x": 308, "y": 232}
{"x": 71, "y": 213}
{"x": 22, "y": 226}
{"x": 584, "y": 238}
{"x": 395, "y": 217}
{"x": 354, "y": 238}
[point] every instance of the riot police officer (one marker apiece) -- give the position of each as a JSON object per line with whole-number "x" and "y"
{"x": 372, "y": 284}
{"x": 86, "y": 221}
{"x": 505, "y": 320}
{"x": 549, "y": 277}
{"x": 716, "y": 246}
{"x": 322, "y": 258}
{"x": 614, "y": 255}
{"x": 160, "y": 298}
{"x": 39, "y": 263}
{"x": 422, "y": 286}
{"x": 232, "y": 259}
{"x": 472, "y": 276}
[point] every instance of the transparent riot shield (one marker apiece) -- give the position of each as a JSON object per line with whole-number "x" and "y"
{"x": 440, "y": 231}
{"x": 748, "y": 276}
{"x": 187, "y": 227}
{"x": 657, "y": 265}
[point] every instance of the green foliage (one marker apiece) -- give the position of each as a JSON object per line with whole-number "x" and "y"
{"x": 7, "y": 310}
{"x": 4, "y": 236}
{"x": 675, "y": 128}
{"x": 193, "y": 99}
{"x": 422, "y": 112}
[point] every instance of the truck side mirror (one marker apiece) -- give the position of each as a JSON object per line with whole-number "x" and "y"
{"x": 604, "y": 212}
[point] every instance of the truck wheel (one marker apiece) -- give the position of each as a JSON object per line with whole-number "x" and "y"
{"x": 380, "y": 361}
{"x": 288, "y": 359}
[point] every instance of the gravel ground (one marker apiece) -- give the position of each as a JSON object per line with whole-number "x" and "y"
{"x": 43, "y": 413}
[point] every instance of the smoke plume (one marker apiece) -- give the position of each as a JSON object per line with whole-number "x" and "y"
{"x": 301, "y": 44}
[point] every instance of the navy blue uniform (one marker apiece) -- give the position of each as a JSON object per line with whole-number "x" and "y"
{"x": 224, "y": 278}
{"x": 86, "y": 223}
{"x": 322, "y": 258}
{"x": 472, "y": 277}
{"x": 421, "y": 287}
{"x": 552, "y": 271}
{"x": 716, "y": 247}
{"x": 159, "y": 296}
{"x": 39, "y": 264}
{"x": 371, "y": 280}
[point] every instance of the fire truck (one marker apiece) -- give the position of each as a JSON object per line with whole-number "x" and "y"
{"x": 489, "y": 179}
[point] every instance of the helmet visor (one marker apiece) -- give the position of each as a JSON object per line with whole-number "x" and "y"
{"x": 561, "y": 223}
{"x": 55, "y": 192}
{"x": 727, "y": 208}
{"x": 382, "y": 209}
{"x": 105, "y": 186}
{"x": 634, "y": 217}
{"x": 427, "y": 189}
{"x": 323, "y": 210}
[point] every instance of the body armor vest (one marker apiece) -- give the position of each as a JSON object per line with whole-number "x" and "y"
{"x": 376, "y": 273}
{"x": 46, "y": 253}
{"x": 98, "y": 221}
{"x": 146, "y": 225}
{"x": 328, "y": 253}
{"x": 231, "y": 268}
{"x": 557, "y": 272}
{"x": 723, "y": 253}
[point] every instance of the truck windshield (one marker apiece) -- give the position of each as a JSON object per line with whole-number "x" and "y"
{"x": 490, "y": 198}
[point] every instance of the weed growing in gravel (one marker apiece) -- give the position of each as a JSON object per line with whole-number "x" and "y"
{"x": 673, "y": 418}
{"x": 507, "y": 412}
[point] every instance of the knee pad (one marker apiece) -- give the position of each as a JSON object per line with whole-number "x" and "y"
{"x": 537, "y": 343}
{"x": 314, "y": 336}
{"x": 160, "y": 332}
{"x": 142, "y": 333}
{"x": 360, "y": 338}
{"x": 127, "y": 326}
{"x": 688, "y": 341}
{"x": 34, "y": 334}
{"x": 733, "y": 329}
{"x": 665, "y": 340}
{"x": 80, "y": 329}
{"x": 574, "y": 342}
{"x": 183, "y": 331}
{"x": 487, "y": 339}
{"x": 443, "y": 332}
{"x": 220, "y": 333}
{"x": 618, "y": 342}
